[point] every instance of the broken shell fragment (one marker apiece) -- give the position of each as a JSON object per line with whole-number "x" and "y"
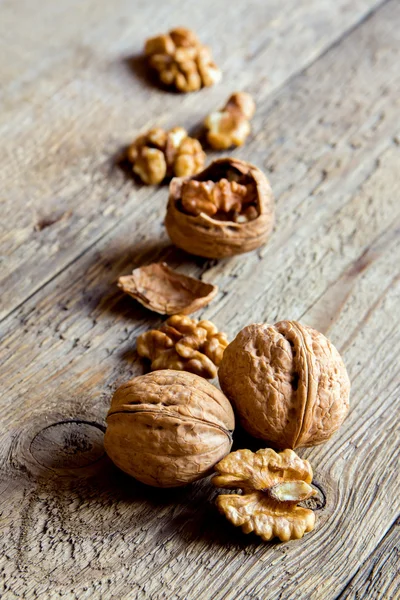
{"x": 165, "y": 291}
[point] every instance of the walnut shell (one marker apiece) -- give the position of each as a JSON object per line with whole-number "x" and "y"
{"x": 165, "y": 291}
{"x": 211, "y": 237}
{"x": 287, "y": 382}
{"x": 168, "y": 428}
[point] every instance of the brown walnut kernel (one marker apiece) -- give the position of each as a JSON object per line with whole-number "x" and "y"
{"x": 168, "y": 428}
{"x": 165, "y": 291}
{"x": 272, "y": 484}
{"x": 224, "y": 210}
{"x": 181, "y": 60}
{"x": 287, "y": 382}
{"x": 231, "y": 125}
{"x": 184, "y": 344}
{"x": 224, "y": 200}
{"x": 159, "y": 154}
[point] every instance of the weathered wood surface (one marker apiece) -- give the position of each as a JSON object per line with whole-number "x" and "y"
{"x": 329, "y": 138}
{"x": 77, "y": 91}
{"x": 379, "y": 577}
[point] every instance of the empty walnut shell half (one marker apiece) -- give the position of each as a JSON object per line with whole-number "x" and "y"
{"x": 165, "y": 291}
{"x": 287, "y": 382}
{"x": 168, "y": 428}
{"x": 241, "y": 216}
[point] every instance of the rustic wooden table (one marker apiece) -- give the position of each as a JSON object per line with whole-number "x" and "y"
{"x": 326, "y": 79}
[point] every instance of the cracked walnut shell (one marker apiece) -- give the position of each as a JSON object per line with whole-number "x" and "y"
{"x": 168, "y": 428}
{"x": 159, "y": 154}
{"x": 181, "y": 60}
{"x": 231, "y": 125}
{"x": 165, "y": 291}
{"x": 184, "y": 344}
{"x": 272, "y": 484}
{"x": 287, "y": 382}
{"x": 226, "y": 209}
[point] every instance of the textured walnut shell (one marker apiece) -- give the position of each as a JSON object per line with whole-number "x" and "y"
{"x": 205, "y": 236}
{"x": 287, "y": 382}
{"x": 168, "y": 428}
{"x": 165, "y": 291}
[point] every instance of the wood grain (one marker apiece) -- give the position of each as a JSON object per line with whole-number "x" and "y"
{"x": 379, "y": 576}
{"x": 76, "y": 92}
{"x": 72, "y": 526}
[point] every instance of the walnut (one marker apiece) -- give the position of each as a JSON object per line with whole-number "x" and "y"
{"x": 226, "y": 209}
{"x": 159, "y": 154}
{"x": 168, "y": 428}
{"x": 165, "y": 291}
{"x": 272, "y": 483}
{"x": 230, "y": 126}
{"x": 288, "y": 383}
{"x": 181, "y": 60}
{"x": 184, "y": 344}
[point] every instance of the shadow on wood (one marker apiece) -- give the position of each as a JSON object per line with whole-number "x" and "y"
{"x": 137, "y": 66}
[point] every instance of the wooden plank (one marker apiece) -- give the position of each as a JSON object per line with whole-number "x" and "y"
{"x": 75, "y": 93}
{"x": 71, "y": 524}
{"x": 379, "y": 576}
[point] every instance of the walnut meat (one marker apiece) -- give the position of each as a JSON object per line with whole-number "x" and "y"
{"x": 272, "y": 485}
{"x": 288, "y": 383}
{"x": 184, "y": 344}
{"x": 167, "y": 428}
{"x": 226, "y": 209}
{"x": 165, "y": 291}
{"x": 181, "y": 60}
{"x": 231, "y": 125}
{"x": 159, "y": 154}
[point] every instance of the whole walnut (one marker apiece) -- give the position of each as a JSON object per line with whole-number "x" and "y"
{"x": 168, "y": 428}
{"x": 226, "y": 209}
{"x": 287, "y": 382}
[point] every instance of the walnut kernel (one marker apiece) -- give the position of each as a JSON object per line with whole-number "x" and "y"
{"x": 230, "y": 126}
{"x": 181, "y": 60}
{"x": 159, "y": 154}
{"x": 184, "y": 344}
{"x": 227, "y": 200}
{"x": 272, "y": 484}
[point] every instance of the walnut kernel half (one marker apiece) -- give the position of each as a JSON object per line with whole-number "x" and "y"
{"x": 231, "y": 125}
{"x": 181, "y": 60}
{"x": 159, "y": 154}
{"x": 184, "y": 344}
{"x": 272, "y": 484}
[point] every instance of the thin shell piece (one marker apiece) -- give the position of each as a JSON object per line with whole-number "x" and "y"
{"x": 165, "y": 291}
